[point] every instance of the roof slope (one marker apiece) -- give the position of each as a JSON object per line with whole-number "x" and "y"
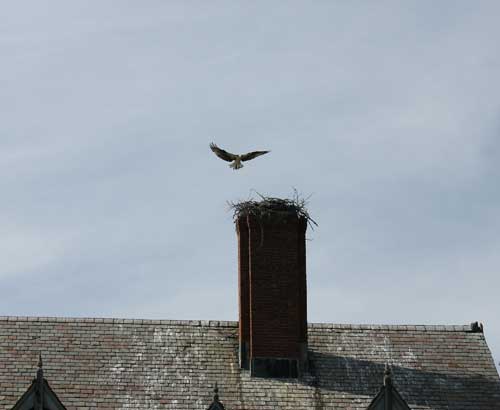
{"x": 148, "y": 364}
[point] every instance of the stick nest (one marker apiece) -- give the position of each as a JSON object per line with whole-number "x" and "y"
{"x": 273, "y": 207}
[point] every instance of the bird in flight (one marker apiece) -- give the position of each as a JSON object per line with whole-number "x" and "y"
{"x": 236, "y": 160}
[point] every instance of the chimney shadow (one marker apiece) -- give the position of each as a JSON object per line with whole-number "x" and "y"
{"x": 418, "y": 387}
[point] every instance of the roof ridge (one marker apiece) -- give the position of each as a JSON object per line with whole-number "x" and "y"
{"x": 59, "y": 319}
{"x": 408, "y": 327}
{"x": 229, "y": 323}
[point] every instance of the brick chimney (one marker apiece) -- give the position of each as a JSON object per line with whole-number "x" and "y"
{"x": 272, "y": 289}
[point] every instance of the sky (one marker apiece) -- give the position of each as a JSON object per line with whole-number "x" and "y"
{"x": 385, "y": 114}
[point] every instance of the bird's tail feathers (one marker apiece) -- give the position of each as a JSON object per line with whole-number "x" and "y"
{"x": 236, "y": 165}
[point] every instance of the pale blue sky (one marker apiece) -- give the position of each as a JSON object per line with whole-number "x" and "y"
{"x": 386, "y": 112}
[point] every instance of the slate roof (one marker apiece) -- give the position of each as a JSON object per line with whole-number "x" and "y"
{"x": 152, "y": 364}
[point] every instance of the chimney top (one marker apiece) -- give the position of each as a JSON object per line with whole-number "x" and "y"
{"x": 273, "y": 209}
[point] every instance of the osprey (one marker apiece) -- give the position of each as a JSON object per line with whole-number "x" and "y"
{"x": 233, "y": 158}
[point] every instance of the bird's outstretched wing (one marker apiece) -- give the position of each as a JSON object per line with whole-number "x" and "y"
{"x": 252, "y": 155}
{"x": 226, "y": 156}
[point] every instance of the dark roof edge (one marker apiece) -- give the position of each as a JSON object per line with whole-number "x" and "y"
{"x": 204, "y": 323}
{"x": 225, "y": 323}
